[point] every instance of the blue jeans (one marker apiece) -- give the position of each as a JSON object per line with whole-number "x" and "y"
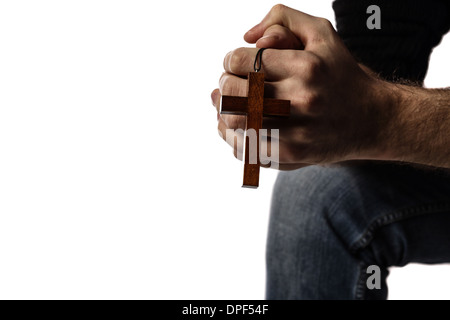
{"x": 328, "y": 225}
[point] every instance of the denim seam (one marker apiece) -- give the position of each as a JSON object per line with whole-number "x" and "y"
{"x": 360, "y": 288}
{"x": 392, "y": 217}
{"x": 361, "y": 284}
{"x": 331, "y": 210}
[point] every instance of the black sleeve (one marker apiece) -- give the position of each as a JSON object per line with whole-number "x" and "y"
{"x": 401, "y": 48}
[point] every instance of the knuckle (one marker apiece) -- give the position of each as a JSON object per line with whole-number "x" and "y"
{"x": 322, "y": 30}
{"x": 315, "y": 64}
{"x": 325, "y": 24}
{"x": 228, "y": 87}
{"x": 296, "y": 57}
{"x": 310, "y": 101}
{"x": 325, "y": 28}
{"x": 278, "y": 8}
{"x": 274, "y": 29}
{"x": 296, "y": 62}
{"x": 278, "y": 31}
{"x": 312, "y": 67}
{"x": 238, "y": 59}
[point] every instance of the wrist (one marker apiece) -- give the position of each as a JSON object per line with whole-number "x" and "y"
{"x": 388, "y": 103}
{"x": 408, "y": 126}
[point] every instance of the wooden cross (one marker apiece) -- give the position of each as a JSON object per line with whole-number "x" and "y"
{"x": 254, "y": 106}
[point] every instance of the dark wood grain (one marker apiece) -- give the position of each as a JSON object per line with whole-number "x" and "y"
{"x": 254, "y": 106}
{"x": 254, "y": 121}
{"x": 234, "y": 105}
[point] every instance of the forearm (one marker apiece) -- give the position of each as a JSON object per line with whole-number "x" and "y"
{"x": 419, "y": 131}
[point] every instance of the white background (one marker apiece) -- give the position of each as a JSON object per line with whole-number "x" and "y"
{"x": 113, "y": 181}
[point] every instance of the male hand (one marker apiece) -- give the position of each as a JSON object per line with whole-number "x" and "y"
{"x": 338, "y": 111}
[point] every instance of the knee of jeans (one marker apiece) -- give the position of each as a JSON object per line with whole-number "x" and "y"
{"x": 312, "y": 199}
{"x": 310, "y": 189}
{"x": 300, "y": 200}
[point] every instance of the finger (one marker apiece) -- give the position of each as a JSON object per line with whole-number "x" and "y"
{"x": 279, "y": 37}
{"x": 231, "y": 85}
{"x": 305, "y": 27}
{"x": 215, "y": 98}
{"x": 273, "y": 155}
{"x": 235, "y": 122}
{"x": 234, "y": 138}
{"x": 269, "y": 149}
{"x": 276, "y": 64}
{"x": 235, "y": 85}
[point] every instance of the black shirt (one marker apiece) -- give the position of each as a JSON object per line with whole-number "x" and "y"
{"x": 401, "y": 48}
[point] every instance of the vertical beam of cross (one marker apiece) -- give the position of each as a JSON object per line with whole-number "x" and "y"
{"x": 254, "y": 121}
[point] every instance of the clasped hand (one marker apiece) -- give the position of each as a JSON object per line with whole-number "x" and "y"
{"x": 339, "y": 109}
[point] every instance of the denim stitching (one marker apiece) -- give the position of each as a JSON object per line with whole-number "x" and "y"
{"x": 361, "y": 284}
{"x": 392, "y": 217}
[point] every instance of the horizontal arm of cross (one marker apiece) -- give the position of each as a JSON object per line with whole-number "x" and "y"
{"x": 239, "y": 106}
{"x": 234, "y": 105}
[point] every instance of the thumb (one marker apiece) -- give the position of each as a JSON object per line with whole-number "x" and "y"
{"x": 304, "y": 26}
{"x": 279, "y": 37}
